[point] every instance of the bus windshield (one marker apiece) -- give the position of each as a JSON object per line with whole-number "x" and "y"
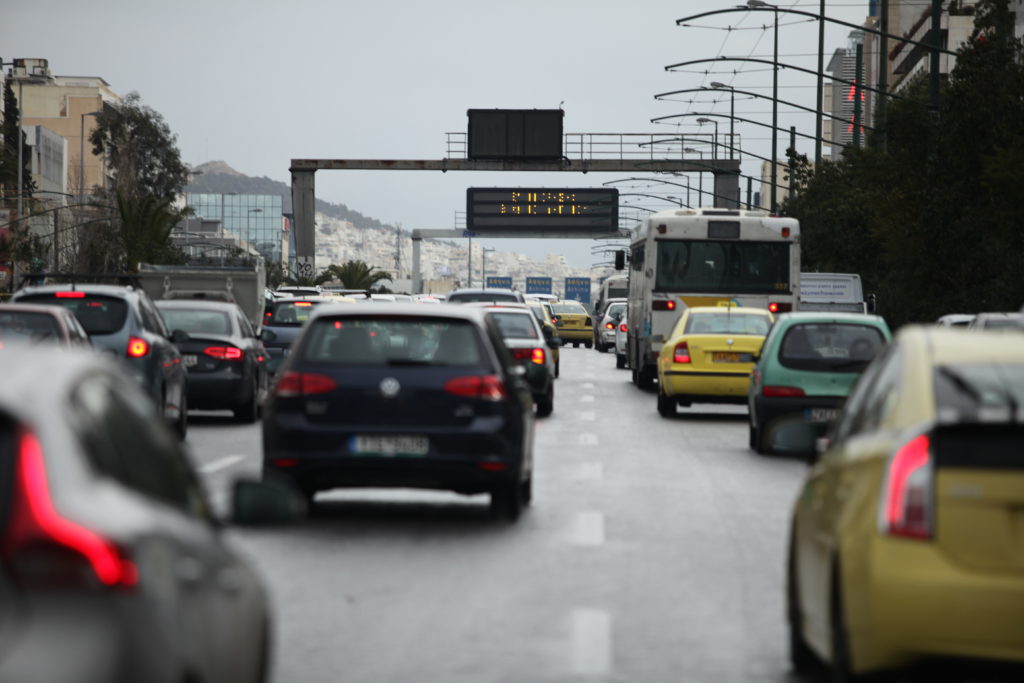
{"x": 722, "y": 266}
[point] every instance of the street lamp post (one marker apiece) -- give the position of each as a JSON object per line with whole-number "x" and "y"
{"x": 732, "y": 113}
{"x": 714, "y": 144}
{"x": 700, "y": 177}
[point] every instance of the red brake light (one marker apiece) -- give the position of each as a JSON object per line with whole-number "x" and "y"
{"x": 609, "y": 326}
{"x": 782, "y": 392}
{"x": 537, "y": 356}
{"x": 663, "y": 305}
{"x": 623, "y": 327}
{"x": 224, "y": 352}
{"x": 137, "y": 348}
{"x": 777, "y": 307}
{"x": 70, "y": 295}
{"x": 681, "y": 353}
{"x": 295, "y": 384}
{"x": 773, "y": 307}
{"x": 36, "y": 524}
{"x": 303, "y": 303}
{"x": 485, "y": 387}
{"x": 554, "y": 319}
{"x": 907, "y": 500}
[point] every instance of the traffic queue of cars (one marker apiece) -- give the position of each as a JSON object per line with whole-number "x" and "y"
{"x": 904, "y": 544}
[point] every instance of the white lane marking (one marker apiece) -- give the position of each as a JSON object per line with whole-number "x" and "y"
{"x": 588, "y": 439}
{"x": 588, "y": 416}
{"x": 587, "y": 529}
{"x": 587, "y": 398}
{"x": 591, "y": 649}
{"x": 588, "y": 385}
{"x": 590, "y": 471}
{"x": 225, "y": 462}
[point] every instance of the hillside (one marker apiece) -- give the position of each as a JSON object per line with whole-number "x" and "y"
{"x": 217, "y": 177}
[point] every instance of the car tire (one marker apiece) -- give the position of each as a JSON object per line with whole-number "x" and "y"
{"x": 588, "y": 344}
{"x": 546, "y": 404}
{"x": 602, "y": 348}
{"x": 575, "y": 345}
{"x": 507, "y": 501}
{"x": 557, "y": 364}
{"x": 752, "y": 437}
{"x": 620, "y": 361}
{"x": 249, "y": 411}
{"x": 527, "y": 491}
{"x": 801, "y": 657}
{"x": 181, "y": 424}
{"x": 666, "y": 406}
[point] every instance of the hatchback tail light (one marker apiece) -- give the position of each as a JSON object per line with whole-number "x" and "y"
{"x": 537, "y": 356}
{"x": 782, "y": 392}
{"x": 609, "y": 326}
{"x": 484, "y": 387}
{"x": 137, "y": 348}
{"x": 681, "y": 354}
{"x": 532, "y": 355}
{"x": 906, "y": 506}
{"x": 623, "y": 327}
{"x": 295, "y": 384}
{"x": 45, "y": 548}
{"x": 224, "y": 352}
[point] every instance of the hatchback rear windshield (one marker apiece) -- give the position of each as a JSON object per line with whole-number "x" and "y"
{"x": 515, "y": 325}
{"x": 97, "y": 314}
{"x": 195, "y": 321}
{"x": 293, "y": 313}
{"x": 393, "y": 340}
{"x": 569, "y": 309}
{"x": 727, "y": 323}
{"x": 983, "y": 392}
{"x": 830, "y": 347}
{"x": 615, "y": 311}
{"x": 28, "y": 327}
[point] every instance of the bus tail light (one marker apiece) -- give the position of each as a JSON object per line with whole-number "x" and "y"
{"x": 663, "y": 305}
{"x": 906, "y": 506}
{"x": 780, "y": 307}
{"x": 681, "y": 354}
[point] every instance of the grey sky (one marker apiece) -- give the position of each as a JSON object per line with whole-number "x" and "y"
{"x": 258, "y": 83}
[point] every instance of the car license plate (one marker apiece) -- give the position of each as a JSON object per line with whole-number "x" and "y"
{"x": 389, "y": 445}
{"x": 822, "y": 414}
{"x": 190, "y": 360}
{"x": 725, "y": 357}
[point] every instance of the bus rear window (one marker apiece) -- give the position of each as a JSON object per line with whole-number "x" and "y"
{"x": 721, "y": 266}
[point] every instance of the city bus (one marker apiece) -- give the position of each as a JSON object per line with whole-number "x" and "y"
{"x": 705, "y": 257}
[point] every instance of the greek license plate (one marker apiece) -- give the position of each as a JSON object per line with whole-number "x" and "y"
{"x": 822, "y": 414}
{"x": 731, "y": 357}
{"x": 389, "y": 446}
{"x": 190, "y": 360}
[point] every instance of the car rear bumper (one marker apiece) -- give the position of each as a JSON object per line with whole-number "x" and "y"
{"x": 469, "y": 460}
{"x": 608, "y": 337}
{"x": 921, "y": 605}
{"x": 220, "y": 389}
{"x": 576, "y": 335}
{"x": 770, "y": 410}
{"x": 715, "y": 387}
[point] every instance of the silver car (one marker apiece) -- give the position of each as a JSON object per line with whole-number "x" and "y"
{"x": 620, "y": 339}
{"x": 604, "y": 335}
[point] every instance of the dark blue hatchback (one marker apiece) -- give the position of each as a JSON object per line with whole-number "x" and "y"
{"x": 402, "y": 395}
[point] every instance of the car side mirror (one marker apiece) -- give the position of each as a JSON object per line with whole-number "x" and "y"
{"x": 554, "y": 342}
{"x": 179, "y": 336}
{"x": 268, "y": 335}
{"x": 268, "y": 501}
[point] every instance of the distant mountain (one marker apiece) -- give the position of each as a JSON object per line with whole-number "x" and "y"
{"x": 217, "y": 177}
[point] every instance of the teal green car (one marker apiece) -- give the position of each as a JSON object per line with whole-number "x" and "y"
{"x": 808, "y": 365}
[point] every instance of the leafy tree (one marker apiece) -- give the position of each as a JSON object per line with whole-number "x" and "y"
{"x": 12, "y": 136}
{"x": 141, "y": 149}
{"x": 357, "y": 274}
{"x": 145, "y": 228}
{"x": 309, "y": 280}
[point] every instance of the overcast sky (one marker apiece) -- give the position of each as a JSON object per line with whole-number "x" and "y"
{"x": 258, "y": 83}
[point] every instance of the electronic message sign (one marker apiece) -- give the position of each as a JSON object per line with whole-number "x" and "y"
{"x": 534, "y": 211}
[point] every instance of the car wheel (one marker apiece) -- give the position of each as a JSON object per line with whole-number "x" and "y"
{"x": 546, "y": 404}
{"x": 588, "y": 344}
{"x": 527, "y": 491}
{"x": 575, "y": 345}
{"x": 839, "y": 667}
{"x": 601, "y": 348}
{"x": 507, "y": 501}
{"x": 557, "y": 364}
{"x": 752, "y": 437}
{"x": 636, "y": 377}
{"x": 249, "y": 411}
{"x": 181, "y": 425}
{"x": 666, "y": 406}
{"x": 620, "y": 361}
{"x": 800, "y": 654}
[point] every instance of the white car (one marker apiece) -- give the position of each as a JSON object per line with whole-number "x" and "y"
{"x": 604, "y": 333}
{"x": 620, "y": 340}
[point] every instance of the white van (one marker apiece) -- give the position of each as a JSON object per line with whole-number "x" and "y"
{"x": 832, "y": 292}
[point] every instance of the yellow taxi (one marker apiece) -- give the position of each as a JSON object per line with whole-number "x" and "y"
{"x": 542, "y": 313}
{"x": 709, "y": 356}
{"x": 907, "y": 539}
{"x": 574, "y": 324}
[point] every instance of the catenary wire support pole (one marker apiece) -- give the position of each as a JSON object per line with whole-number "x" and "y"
{"x": 857, "y": 93}
{"x": 818, "y": 130}
{"x": 883, "y": 76}
{"x": 933, "y": 77}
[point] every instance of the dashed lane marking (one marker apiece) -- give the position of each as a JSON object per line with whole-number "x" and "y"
{"x": 587, "y": 398}
{"x": 588, "y": 439}
{"x": 223, "y": 463}
{"x": 588, "y": 416}
{"x": 587, "y": 529}
{"x": 590, "y": 471}
{"x": 591, "y": 648}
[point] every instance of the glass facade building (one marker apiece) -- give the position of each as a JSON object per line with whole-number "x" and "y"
{"x": 255, "y": 219}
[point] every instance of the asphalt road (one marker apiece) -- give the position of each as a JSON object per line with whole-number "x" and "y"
{"x": 653, "y": 552}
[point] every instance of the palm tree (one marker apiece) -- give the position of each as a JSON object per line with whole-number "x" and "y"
{"x": 145, "y": 228}
{"x": 356, "y": 274}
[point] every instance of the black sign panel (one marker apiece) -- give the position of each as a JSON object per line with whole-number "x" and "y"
{"x": 536, "y": 210}
{"x": 515, "y": 134}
